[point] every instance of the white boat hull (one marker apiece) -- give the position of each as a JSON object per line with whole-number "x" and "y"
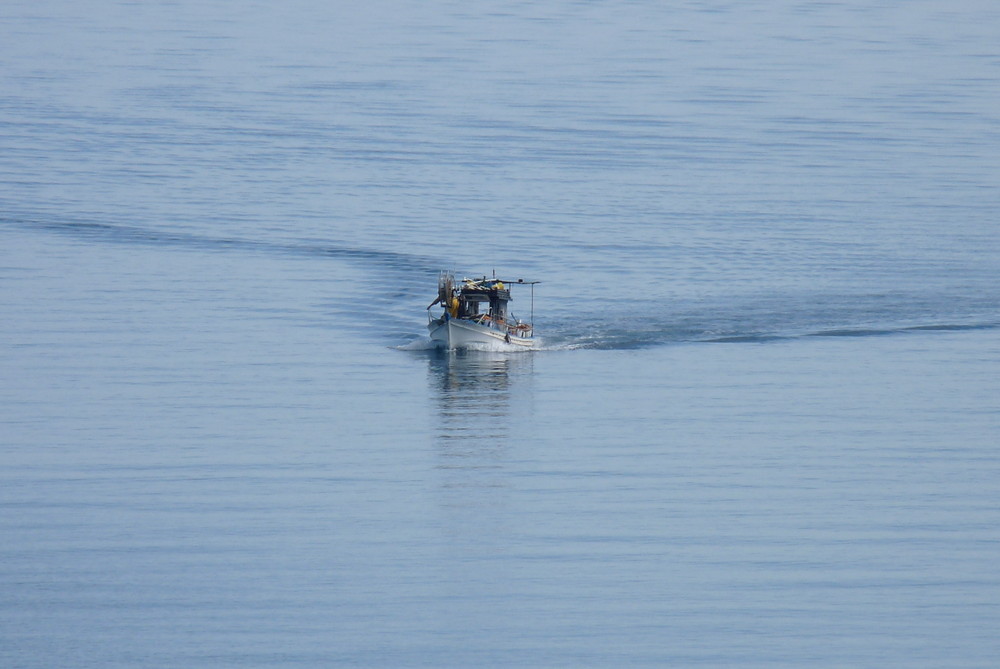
{"x": 457, "y": 333}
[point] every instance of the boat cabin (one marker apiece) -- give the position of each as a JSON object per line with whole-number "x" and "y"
{"x": 483, "y": 297}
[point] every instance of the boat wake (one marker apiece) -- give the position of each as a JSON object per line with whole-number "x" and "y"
{"x": 637, "y": 339}
{"x": 123, "y": 233}
{"x": 394, "y": 314}
{"x": 750, "y": 325}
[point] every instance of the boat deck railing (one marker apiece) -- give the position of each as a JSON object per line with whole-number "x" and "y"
{"x": 513, "y": 328}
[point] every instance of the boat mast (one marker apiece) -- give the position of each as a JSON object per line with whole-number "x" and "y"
{"x": 532, "y": 284}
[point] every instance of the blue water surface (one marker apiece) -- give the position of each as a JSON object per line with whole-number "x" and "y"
{"x": 761, "y": 427}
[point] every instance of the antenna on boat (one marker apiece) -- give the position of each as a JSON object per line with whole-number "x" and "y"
{"x": 532, "y": 284}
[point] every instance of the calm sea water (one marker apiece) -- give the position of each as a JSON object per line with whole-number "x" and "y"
{"x": 762, "y": 429}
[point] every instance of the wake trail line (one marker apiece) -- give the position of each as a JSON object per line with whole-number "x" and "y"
{"x": 127, "y": 234}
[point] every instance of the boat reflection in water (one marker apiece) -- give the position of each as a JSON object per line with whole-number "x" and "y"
{"x": 475, "y": 392}
{"x": 482, "y": 401}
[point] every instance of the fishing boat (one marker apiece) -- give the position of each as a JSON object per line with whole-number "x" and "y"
{"x": 474, "y": 313}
